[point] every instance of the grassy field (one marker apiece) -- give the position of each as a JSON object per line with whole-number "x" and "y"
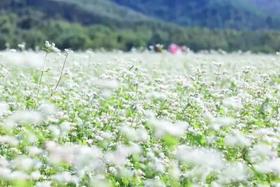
{"x": 139, "y": 119}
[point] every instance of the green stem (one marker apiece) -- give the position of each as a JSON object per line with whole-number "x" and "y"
{"x": 61, "y": 73}
{"x": 42, "y": 72}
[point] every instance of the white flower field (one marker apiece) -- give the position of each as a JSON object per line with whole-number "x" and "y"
{"x": 139, "y": 119}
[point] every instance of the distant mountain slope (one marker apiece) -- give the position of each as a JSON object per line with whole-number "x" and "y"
{"x": 270, "y": 7}
{"x": 81, "y": 11}
{"x": 106, "y": 9}
{"x": 222, "y": 14}
{"x": 126, "y": 24}
{"x": 237, "y": 14}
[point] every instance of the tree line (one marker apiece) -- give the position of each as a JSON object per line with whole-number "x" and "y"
{"x": 33, "y": 29}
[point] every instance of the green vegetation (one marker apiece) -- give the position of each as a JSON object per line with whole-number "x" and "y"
{"x": 103, "y": 24}
{"x": 138, "y": 119}
{"x": 235, "y": 14}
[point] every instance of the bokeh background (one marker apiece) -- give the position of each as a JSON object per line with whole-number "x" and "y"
{"x": 229, "y": 25}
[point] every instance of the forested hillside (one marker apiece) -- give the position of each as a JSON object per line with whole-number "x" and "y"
{"x": 114, "y": 25}
{"x": 235, "y": 14}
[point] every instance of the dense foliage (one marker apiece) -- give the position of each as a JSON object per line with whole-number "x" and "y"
{"x": 91, "y": 24}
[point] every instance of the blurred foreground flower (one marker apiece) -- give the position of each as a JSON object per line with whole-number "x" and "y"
{"x": 23, "y": 59}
